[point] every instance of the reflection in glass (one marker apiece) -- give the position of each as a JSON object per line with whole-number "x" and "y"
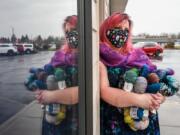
{"x": 44, "y": 35}
{"x": 60, "y": 115}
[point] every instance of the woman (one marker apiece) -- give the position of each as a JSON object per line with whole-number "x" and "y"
{"x": 116, "y": 51}
{"x": 65, "y": 58}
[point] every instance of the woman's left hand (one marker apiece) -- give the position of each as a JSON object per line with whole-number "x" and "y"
{"x": 159, "y": 97}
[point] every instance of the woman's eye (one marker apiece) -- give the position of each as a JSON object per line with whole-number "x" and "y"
{"x": 126, "y": 29}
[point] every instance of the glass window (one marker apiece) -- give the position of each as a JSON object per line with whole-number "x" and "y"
{"x": 49, "y": 75}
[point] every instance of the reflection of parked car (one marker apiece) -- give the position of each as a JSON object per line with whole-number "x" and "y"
{"x": 177, "y": 44}
{"x": 20, "y": 48}
{"x": 25, "y": 48}
{"x": 7, "y": 48}
{"x": 150, "y": 48}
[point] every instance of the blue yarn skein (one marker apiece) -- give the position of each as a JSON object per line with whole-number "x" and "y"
{"x": 34, "y": 70}
{"x": 38, "y": 84}
{"x": 138, "y": 113}
{"x": 144, "y": 71}
{"x": 153, "y": 88}
{"x": 49, "y": 69}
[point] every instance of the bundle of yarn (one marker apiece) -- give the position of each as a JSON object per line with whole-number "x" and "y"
{"x": 145, "y": 81}
{"x": 51, "y": 78}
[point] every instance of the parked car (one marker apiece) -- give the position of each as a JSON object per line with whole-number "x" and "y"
{"x": 25, "y": 48}
{"x": 150, "y": 48}
{"x": 8, "y": 48}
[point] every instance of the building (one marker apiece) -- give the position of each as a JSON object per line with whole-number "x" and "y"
{"x": 91, "y": 13}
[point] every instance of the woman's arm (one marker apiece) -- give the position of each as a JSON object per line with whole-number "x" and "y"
{"x": 67, "y": 96}
{"x": 119, "y": 98}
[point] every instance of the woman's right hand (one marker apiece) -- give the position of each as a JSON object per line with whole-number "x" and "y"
{"x": 44, "y": 96}
{"x": 149, "y": 101}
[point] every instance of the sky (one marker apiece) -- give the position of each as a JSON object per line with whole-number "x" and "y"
{"x": 34, "y": 17}
{"x": 45, "y": 17}
{"x": 154, "y": 16}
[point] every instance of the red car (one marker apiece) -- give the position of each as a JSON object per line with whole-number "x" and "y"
{"x": 150, "y": 48}
{"x": 20, "y": 48}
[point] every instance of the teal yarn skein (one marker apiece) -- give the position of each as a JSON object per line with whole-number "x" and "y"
{"x": 60, "y": 74}
{"x": 130, "y": 76}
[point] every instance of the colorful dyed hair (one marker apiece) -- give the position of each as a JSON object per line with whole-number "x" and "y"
{"x": 111, "y": 22}
{"x": 72, "y": 20}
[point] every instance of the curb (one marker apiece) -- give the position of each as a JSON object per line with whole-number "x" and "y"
{"x": 8, "y": 122}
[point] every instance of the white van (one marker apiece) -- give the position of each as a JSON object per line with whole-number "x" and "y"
{"x": 8, "y": 48}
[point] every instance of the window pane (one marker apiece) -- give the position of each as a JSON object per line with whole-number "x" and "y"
{"x": 47, "y": 32}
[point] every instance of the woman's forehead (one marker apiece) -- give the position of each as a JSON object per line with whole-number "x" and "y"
{"x": 123, "y": 24}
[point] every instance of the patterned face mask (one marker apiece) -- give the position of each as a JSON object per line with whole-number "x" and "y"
{"x": 72, "y": 38}
{"x": 117, "y": 36}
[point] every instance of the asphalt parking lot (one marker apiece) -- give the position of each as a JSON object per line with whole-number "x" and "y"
{"x": 14, "y": 96}
{"x": 13, "y": 71}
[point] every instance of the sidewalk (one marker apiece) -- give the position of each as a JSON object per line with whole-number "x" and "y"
{"x": 28, "y": 120}
{"x": 169, "y": 116}
{"x": 25, "y": 122}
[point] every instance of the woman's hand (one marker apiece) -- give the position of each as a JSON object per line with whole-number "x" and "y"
{"x": 149, "y": 101}
{"x": 159, "y": 97}
{"x": 44, "y": 96}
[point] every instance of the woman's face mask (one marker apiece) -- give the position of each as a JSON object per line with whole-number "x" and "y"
{"x": 72, "y": 38}
{"x": 117, "y": 36}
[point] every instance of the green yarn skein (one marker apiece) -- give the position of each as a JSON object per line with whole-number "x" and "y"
{"x": 59, "y": 74}
{"x": 130, "y": 76}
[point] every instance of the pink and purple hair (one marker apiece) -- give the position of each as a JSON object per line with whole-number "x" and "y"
{"x": 111, "y": 22}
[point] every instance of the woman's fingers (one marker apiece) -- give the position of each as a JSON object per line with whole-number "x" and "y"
{"x": 156, "y": 101}
{"x": 163, "y": 98}
{"x": 155, "y": 104}
{"x": 159, "y": 97}
{"x": 39, "y": 95}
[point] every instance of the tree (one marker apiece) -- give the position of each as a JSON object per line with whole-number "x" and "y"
{"x": 22, "y": 40}
{"x": 26, "y": 38}
{"x": 4, "y": 40}
{"x": 50, "y": 40}
{"x": 38, "y": 42}
{"x": 13, "y": 38}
